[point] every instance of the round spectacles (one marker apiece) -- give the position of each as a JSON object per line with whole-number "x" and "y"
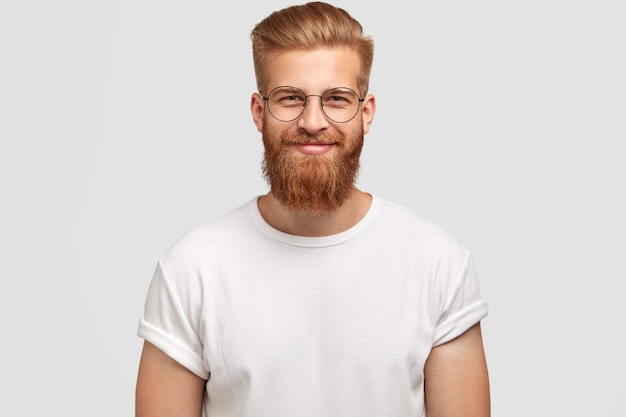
{"x": 339, "y": 105}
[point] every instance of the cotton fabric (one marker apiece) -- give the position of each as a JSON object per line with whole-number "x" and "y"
{"x": 336, "y": 326}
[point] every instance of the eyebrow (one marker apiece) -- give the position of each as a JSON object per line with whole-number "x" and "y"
{"x": 308, "y": 93}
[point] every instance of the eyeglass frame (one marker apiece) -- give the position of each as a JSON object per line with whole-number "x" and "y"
{"x": 306, "y": 101}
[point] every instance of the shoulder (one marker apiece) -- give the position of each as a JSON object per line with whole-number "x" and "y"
{"x": 408, "y": 225}
{"x": 210, "y": 237}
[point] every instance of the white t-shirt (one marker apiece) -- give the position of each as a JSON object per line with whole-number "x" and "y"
{"x": 335, "y": 326}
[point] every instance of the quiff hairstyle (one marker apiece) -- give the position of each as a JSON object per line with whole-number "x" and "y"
{"x": 310, "y": 26}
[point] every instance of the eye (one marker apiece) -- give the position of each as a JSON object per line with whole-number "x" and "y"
{"x": 339, "y": 98}
{"x": 287, "y": 97}
{"x": 291, "y": 98}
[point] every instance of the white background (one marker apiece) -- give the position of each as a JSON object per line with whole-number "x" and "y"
{"x": 125, "y": 123}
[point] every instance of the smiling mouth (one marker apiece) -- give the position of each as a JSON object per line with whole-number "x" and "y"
{"x": 314, "y": 147}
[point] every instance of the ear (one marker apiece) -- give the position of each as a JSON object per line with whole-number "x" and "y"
{"x": 257, "y": 106}
{"x": 368, "y": 109}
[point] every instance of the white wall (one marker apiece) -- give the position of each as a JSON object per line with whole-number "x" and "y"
{"x": 124, "y": 123}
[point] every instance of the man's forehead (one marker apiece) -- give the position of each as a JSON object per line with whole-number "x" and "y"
{"x": 319, "y": 68}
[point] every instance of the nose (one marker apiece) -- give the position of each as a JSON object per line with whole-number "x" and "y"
{"x": 313, "y": 119}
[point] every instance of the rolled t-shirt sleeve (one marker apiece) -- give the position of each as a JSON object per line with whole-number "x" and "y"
{"x": 166, "y": 324}
{"x": 463, "y": 306}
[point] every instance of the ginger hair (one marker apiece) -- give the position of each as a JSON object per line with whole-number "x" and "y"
{"x": 310, "y": 26}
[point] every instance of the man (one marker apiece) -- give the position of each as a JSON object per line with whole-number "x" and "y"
{"x": 316, "y": 299}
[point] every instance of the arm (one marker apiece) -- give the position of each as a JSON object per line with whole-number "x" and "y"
{"x": 165, "y": 388}
{"x": 456, "y": 378}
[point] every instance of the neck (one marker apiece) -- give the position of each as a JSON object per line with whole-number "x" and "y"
{"x": 302, "y": 223}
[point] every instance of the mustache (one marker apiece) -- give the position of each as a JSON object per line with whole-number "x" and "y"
{"x": 304, "y": 138}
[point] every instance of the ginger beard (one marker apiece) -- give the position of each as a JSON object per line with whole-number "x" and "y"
{"x": 311, "y": 184}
